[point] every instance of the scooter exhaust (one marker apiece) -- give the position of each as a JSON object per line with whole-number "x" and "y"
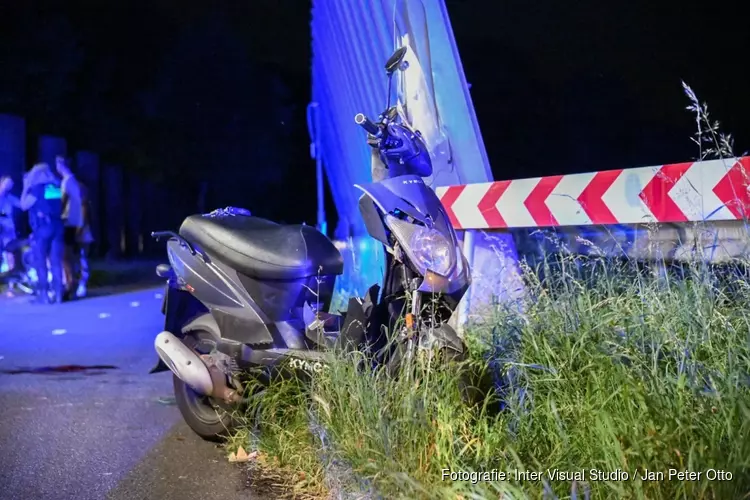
{"x": 184, "y": 363}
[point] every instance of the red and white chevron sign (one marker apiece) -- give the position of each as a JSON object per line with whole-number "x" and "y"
{"x": 679, "y": 192}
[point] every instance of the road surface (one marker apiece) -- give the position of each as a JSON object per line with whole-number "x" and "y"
{"x": 108, "y": 432}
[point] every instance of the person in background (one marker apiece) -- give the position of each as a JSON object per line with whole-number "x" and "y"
{"x": 8, "y": 203}
{"x": 85, "y": 239}
{"x": 72, "y": 215}
{"x": 42, "y": 198}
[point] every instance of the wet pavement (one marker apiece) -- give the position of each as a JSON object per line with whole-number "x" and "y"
{"x": 81, "y": 418}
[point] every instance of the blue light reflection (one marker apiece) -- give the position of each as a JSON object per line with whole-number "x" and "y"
{"x": 364, "y": 260}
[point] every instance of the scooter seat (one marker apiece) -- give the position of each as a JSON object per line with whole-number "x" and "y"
{"x": 263, "y": 249}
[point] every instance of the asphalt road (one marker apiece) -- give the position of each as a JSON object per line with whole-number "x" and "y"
{"x": 97, "y": 433}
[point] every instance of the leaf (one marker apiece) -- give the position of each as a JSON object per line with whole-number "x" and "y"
{"x": 242, "y": 456}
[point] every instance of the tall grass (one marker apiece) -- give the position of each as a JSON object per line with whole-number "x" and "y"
{"x": 612, "y": 368}
{"x": 612, "y": 371}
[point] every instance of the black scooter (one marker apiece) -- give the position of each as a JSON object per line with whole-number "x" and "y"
{"x": 247, "y": 297}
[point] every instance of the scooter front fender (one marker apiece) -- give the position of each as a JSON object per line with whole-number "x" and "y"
{"x": 444, "y": 336}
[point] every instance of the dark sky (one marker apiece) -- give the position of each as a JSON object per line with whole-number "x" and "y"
{"x": 589, "y": 85}
{"x": 182, "y": 92}
{"x": 213, "y": 91}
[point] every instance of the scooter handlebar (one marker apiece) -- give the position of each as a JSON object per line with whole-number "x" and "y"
{"x": 367, "y": 124}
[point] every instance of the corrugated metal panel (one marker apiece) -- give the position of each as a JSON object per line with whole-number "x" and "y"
{"x": 351, "y": 41}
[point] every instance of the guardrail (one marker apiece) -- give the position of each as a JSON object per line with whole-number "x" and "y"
{"x": 610, "y": 208}
{"x": 715, "y": 190}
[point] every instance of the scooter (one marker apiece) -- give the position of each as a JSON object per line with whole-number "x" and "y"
{"x": 248, "y": 298}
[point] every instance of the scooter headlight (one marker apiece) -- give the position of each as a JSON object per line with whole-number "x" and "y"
{"x": 431, "y": 250}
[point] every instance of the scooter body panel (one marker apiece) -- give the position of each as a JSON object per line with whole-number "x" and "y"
{"x": 259, "y": 313}
{"x": 408, "y": 194}
{"x": 219, "y": 289}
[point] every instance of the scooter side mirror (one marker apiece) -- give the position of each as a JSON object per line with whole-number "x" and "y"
{"x": 394, "y": 62}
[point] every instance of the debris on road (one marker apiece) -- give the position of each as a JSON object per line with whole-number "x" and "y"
{"x": 242, "y": 456}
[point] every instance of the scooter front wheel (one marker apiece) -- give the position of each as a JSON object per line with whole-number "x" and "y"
{"x": 474, "y": 387}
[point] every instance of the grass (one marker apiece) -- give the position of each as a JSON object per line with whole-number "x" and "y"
{"x": 614, "y": 369}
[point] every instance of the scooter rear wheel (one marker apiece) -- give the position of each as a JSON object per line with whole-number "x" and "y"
{"x": 205, "y": 416}
{"x": 209, "y": 421}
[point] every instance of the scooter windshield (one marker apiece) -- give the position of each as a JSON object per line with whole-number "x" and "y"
{"x": 417, "y": 101}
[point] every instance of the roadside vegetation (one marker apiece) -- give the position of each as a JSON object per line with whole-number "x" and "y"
{"x": 615, "y": 369}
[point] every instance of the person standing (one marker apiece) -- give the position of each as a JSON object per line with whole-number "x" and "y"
{"x": 8, "y": 203}
{"x": 85, "y": 239}
{"x": 72, "y": 216}
{"x": 42, "y": 198}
